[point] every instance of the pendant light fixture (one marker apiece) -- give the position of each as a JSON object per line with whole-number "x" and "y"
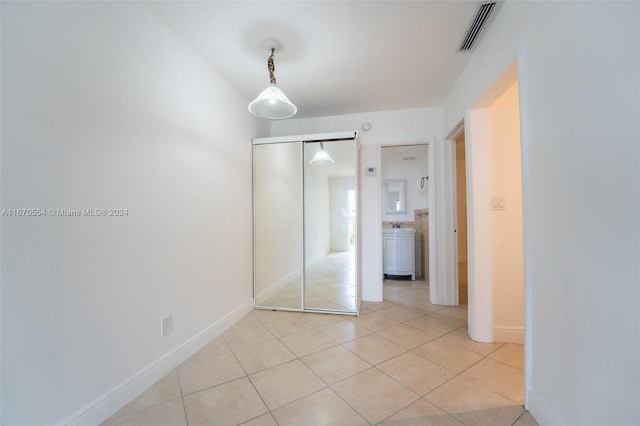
{"x": 322, "y": 157}
{"x": 272, "y": 103}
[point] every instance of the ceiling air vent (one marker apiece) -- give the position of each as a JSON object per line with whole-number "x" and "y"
{"x": 477, "y": 24}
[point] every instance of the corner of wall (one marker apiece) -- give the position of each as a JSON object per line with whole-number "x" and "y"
{"x": 508, "y": 334}
{"x": 114, "y": 399}
{"x": 540, "y": 411}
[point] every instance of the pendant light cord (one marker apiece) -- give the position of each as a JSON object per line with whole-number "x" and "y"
{"x": 271, "y": 67}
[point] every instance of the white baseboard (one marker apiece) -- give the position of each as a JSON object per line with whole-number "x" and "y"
{"x": 276, "y": 286}
{"x": 508, "y": 334}
{"x": 114, "y": 399}
{"x": 539, "y": 410}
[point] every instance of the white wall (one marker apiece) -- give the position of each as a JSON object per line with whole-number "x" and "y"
{"x": 388, "y": 128}
{"x": 339, "y": 188}
{"x": 579, "y": 72}
{"x": 506, "y": 223}
{"x": 104, "y": 107}
{"x": 316, "y": 207}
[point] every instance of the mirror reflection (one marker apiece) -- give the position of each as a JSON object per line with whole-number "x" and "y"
{"x": 278, "y": 225}
{"x": 305, "y": 225}
{"x": 395, "y": 196}
{"x": 330, "y": 226}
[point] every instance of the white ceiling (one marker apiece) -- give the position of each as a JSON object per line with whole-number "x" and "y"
{"x": 401, "y": 153}
{"x": 337, "y": 57}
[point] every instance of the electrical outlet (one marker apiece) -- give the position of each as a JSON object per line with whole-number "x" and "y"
{"x": 166, "y": 326}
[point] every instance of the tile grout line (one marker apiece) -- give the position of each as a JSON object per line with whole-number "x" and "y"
{"x": 487, "y": 356}
{"x": 327, "y": 386}
{"x": 184, "y": 407}
{"x": 484, "y": 356}
{"x": 375, "y": 366}
{"x": 420, "y": 396}
{"x": 298, "y": 358}
{"x": 441, "y": 313}
{"x": 522, "y": 414}
{"x": 372, "y": 366}
{"x": 252, "y": 384}
{"x": 473, "y": 381}
{"x": 347, "y": 402}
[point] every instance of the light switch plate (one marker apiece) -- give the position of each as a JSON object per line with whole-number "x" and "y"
{"x": 498, "y": 203}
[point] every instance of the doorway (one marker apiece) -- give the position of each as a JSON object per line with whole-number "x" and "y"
{"x": 461, "y": 214}
{"x": 406, "y": 198}
{"x": 493, "y": 166}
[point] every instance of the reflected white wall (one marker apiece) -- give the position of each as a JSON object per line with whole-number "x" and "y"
{"x": 278, "y": 216}
{"x": 339, "y": 207}
{"x": 316, "y": 206}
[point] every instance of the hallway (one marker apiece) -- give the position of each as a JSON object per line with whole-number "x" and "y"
{"x": 402, "y": 362}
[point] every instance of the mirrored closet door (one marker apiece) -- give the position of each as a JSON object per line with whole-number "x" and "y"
{"x": 306, "y": 223}
{"x": 278, "y": 226}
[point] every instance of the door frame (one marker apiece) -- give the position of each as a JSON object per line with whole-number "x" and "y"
{"x": 478, "y": 177}
{"x": 431, "y": 188}
{"x": 445, "y": 291}
{"x": 302, "y": 140}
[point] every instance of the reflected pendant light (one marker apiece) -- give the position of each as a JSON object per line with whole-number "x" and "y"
{"x": 322, "y": 157}
{"x": 272, "y": 103}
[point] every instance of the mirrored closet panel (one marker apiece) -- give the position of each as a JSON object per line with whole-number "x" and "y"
{"x": 306, "y": 223}
{"x": 278, "y": 226}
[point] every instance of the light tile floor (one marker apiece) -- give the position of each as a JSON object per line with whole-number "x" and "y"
{"x": 402, "y": 362}
{"x": 329, "y": 284}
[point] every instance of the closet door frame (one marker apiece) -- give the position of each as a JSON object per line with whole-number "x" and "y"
{"x": 302, "y": 139}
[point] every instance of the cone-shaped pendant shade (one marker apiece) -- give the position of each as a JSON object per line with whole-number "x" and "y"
{"x": 322, "y": 158}
{"x": 272, "y": 104}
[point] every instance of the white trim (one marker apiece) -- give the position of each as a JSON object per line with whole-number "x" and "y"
{"x": 527, "y": 226}
{"x": 444, "y": 291}
{"x": 433, "y": 214}
{"x": 307, "y": 138}
{"x": 358, "y": 240}
{"x": 276, "y": 286}
{"x": 452, "y": 290}
{"x": 452, "y": 267}
{"x": 371, "y": 252}
{"x": 480, "y": 287}
{"x": 508, "y": 334}
{"x": 114, "y": 399}
{"x": 540, "y": 411}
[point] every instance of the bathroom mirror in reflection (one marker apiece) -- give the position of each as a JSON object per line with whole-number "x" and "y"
{"x": 395, "y": 196}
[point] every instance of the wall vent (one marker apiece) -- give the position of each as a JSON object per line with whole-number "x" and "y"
{"x": 477, "y": 25}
